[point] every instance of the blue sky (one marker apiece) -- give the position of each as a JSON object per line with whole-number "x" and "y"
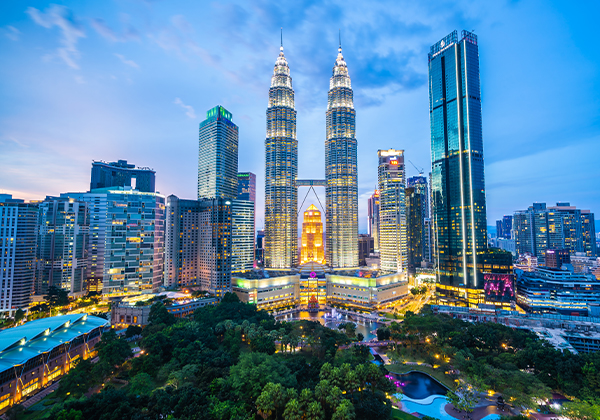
{"x": 128, "y": 79}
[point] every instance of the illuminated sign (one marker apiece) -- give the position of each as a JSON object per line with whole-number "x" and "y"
{"x": 393, "y": 161}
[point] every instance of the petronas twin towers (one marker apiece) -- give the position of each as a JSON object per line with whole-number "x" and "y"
{"x": 281, "y": 183}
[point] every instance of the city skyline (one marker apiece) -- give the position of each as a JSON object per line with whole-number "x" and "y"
{"x": 102, "y": 59}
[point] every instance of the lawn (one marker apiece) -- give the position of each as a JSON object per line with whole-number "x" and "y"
{"x": 399, "y": 414}
{"x": 436, "y": 373}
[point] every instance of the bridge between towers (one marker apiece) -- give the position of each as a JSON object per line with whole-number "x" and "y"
{"x": 311, "y": 183}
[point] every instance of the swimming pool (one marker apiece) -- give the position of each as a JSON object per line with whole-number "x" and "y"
{"x": 433, "y": 406}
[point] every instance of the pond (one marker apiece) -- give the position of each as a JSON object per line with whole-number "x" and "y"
{"x": 417, "y": 385}
{"x": 362, "y": 327}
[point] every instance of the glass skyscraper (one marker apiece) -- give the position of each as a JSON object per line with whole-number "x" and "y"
{"x": 218, "y": 155}
{"x": 392, "y": 211}
{"x": 373, "y": 219}
{"x": 122, "y": 174}
{"x": 458, "y": 187}
{"x": 281, "y": 171}
{"x": 341, "y": 170}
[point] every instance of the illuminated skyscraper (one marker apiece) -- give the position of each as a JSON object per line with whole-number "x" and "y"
{"x": 341, "y": 170}
{"x": 373, "y": 219}
{"x": 281, "y": 164}
{"x": 392, "y": 211}
{"x": 312, "y": 237}
{"x": 218, "y": 155}
{"x": 458, "y": 187}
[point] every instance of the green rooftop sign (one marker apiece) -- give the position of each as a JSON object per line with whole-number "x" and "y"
{"x": 218, "y": 111}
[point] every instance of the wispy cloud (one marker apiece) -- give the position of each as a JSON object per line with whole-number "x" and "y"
{"x": 130, "y": 63}
{"x": 189, "y": 111}
{"x": 15, "y": 141}
{"x": 71, "y": 30}
{"x": 12, "y": 33}
{"x": 129, "y": 34}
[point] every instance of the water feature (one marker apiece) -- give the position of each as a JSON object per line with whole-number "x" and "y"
{"x": 362, "y": 326}
{"x": 417, "y": 385}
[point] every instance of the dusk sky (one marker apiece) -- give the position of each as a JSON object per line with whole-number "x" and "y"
{"x": 128, "y": 79}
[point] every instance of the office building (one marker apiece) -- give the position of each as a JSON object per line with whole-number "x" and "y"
{"x": 218, "y": 155}
{"x": 198, "y": 244}
{"x": 550, "y": 290}
{"x": 242, "y": 235}
{"x": 312, "y": 249}
{"x": 18, "y": 222}
{"x": 121, "y": 174}
{"x": 281, "y": 171}
{"x": 373, "y": 219}
{"x": 415, "y": 227}
{"x": 341, "y": 191}
{"x": 504, "y": 227}
{"x": 127, "y": 239}
{"x": 260, "y": 247}
{"x": 246, "y": 189}
{"x": 420, "y": 184}
{"x": 559, "y": 227}
{"x": 555, "y": 258}
{"x": 457, "y": 180}
{"x": 62, "y": 246}
{"x": 392, "y": 211}
{"x": 366, "y": 247}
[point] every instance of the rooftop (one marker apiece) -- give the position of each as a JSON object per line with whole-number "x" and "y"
{"x": 19, "y": 344}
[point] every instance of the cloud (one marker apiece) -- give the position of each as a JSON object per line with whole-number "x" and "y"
{"x": 129, "y": 34}
{"x": 71, "y": 31}
{"x": 12, "y": 33}
{"x": 130, "y": 63}
{"x": 80, "y": 80}
{"x": 189, "y": 110}
{"x": 15, "y": 141}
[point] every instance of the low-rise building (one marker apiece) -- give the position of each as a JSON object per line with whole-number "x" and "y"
{"x": 34, "y": 355}
{"x": 565, "y": 292}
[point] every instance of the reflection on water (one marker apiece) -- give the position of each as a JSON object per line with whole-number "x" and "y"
{"x": 417, "y": 385}
{"x": 362, "y": 327}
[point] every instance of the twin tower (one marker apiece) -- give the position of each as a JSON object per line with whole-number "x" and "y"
{"x": 281, "y": 178}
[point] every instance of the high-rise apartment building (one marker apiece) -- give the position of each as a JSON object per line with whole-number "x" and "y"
{"x": 198, "y": 244}
{"x": 457, "y": 180}
{"x": 392, "y": 211}
{"x": 559, "y": 227}
{"x": 341, "y": 171}
{"x": 373, "y": 219}
{"x": 126, "y": 240}
{"x": 62, "y": 246}
{"x": 218, "y": 155}
{"x": 18, "y": 222}
{"x": 281, "y": 171}
{"x": 312, "y": 248}
{"x": 122, "y": 174}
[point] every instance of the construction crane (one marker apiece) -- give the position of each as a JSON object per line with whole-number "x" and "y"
{"x": 420, "y": 171}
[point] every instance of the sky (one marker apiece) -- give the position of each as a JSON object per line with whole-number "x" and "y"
{"x": 131, "y": 79}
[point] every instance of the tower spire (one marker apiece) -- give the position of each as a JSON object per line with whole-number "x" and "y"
{"x": 340, "y": 36}
{"x": 281, "y": 48}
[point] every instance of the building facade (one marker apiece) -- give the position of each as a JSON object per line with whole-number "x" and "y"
{"x": 242, "y": 235}
{"x": 218, "y": 155}
{"x": 504, "y": 227}
{"x": 420, "y": 184}
{"x": 281, "y": 171}
{"x": 199, "y": 244}
{"x": 457, "y": 180}
{"x": 373, "y": 219}
{"x": 246, "y": 186}
{"x": 122, "y": 174}
{"x": 341, "y": 170}
{"x": 392, "y": 211}
{"x": 415, "y": 228}
{"x": 18, "y": 237}
{"x": 62, "y": 246}
{"x": 559, "y": 227}
{"x": 312, "y": 248}
{"x": 366, "y": 247}
{"x": 126, "y": 243}
{"x": 548, "y": 290}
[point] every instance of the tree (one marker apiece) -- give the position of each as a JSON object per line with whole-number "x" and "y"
{"x": 19, "y": 315}
{"x": 78, "y": 380}
{"x": 344, "y": 411}
{"x": 57, "y": 297}
{"x": 160, "y": 315}
{"x": 314, "y": 411}
{"x": 69, "y": 415}
{"x": 133, "y": 330}
{"x": 383, "y": 333}
{"x": 141, "y": 384}
{"x": 360, "y": 337}
{"x": 271, "y": 400}
{"x": 581, "y": 410}
{"x": 292, "y": 410}
{"x": 112, "y": 350}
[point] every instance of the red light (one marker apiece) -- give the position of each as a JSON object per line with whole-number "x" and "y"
{"x": 393, "y": 162}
